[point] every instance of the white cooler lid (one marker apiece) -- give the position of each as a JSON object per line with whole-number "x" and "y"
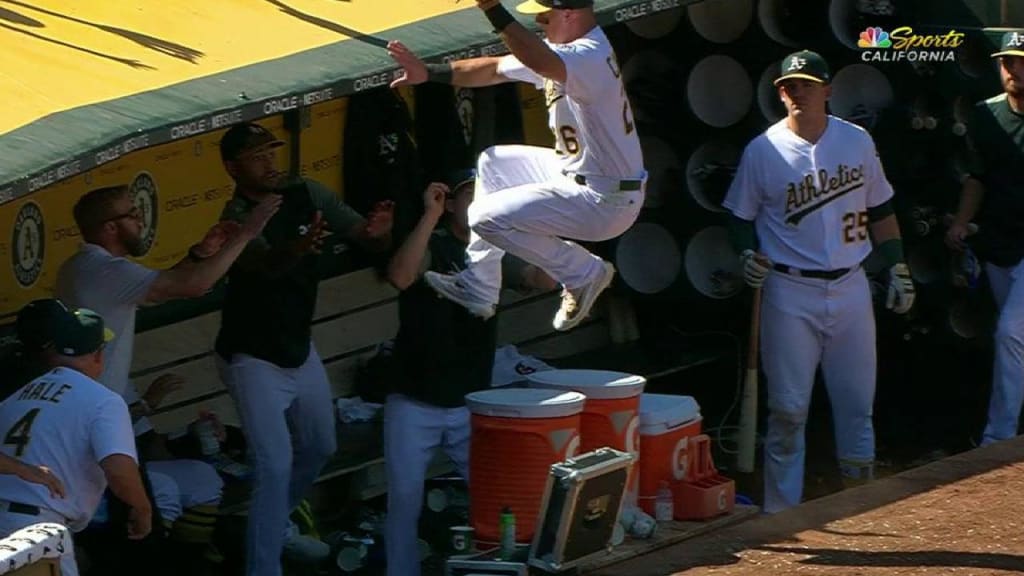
{"x": 598, "y": 384}
{"x": 660, "y": 412}
{"x": 525, "y": 403}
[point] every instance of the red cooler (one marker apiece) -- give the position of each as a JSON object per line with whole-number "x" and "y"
{"x": 667, "y": 423}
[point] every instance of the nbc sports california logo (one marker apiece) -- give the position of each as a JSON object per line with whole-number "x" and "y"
{"x": 143, "y": 191}
{"x": 28, "y": 244}
{"x": 902, "y": 43}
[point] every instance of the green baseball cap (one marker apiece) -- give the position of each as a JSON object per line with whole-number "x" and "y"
{"x": 804, "y": 64}
{"x": 47, "y": 322}
{"x": 1012, "y": 44}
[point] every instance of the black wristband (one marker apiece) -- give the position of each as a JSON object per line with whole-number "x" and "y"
{"x": 499, "y": 17}
{"x": 440, "y": 73}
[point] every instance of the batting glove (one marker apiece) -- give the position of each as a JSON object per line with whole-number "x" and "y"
{"x": 755, "y": 268}
{"x": 901, "y": 289}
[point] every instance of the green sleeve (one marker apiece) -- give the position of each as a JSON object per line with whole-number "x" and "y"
{"x": 340, "y": 217}
{"x": 237, "y": 210}
{"x": 974, "y": 157}
{"x": 741, "y": 234}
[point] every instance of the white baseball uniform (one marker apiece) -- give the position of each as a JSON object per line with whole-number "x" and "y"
{"x": 809, "y": 206}
{"x": 70, "y": 423}
{"x": 589, "y": 187}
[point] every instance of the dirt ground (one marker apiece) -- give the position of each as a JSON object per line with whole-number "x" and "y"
{"x": 960, "y": 515}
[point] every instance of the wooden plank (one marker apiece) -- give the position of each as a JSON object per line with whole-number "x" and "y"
{"x": 587, "y": 336}
{"x": 155, "y": 349}
{"x": 350, "y": 291}
{"x": 176, "y": 419}
{"x": 162, "y": 348}
{"x": 666, "y": 534}
{"x": 355, "y": 331}
{"x": 528, "y": 320}
{"x": 201, "y": 379}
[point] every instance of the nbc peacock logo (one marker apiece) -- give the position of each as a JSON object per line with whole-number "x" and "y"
{"x": 874, "y": 37}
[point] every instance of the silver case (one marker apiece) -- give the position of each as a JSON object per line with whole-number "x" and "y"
{"x": 603, "y": 472}
{"x": 485, "y": 563}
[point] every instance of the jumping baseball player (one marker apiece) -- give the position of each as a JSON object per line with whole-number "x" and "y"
{"x": 994, "y": 192}
{"x": 529, "y": 200}
{"x": 265, "y": 351}
{"x": 68, "y": 421}
{"x": 809, "y": 199}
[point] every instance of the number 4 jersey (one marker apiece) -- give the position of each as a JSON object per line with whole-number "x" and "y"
{"x": 589, "y": 114}
{"x": 68, "y": 422}
{"x": 809, "y": 201}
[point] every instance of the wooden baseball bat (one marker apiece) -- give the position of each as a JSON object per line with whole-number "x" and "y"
{"x": 748, "y": 405}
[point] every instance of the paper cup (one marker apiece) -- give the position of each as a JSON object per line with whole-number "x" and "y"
{"x": 462, "y": 539}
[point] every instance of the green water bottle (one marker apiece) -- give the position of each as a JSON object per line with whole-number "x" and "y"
{"x": 507, "y": 532}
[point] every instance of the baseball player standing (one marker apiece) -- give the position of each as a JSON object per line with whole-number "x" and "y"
{"x": 808, "y": 200}
{"x": 442, "y": 352}
{"x": 529, "y": 200}
{"x": 68, "y": 421}
{"x": 266, "y": 356}
{"x": 994, "y": 191}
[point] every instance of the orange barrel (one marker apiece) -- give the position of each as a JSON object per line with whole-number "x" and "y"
{"x": 610, "y": 415}
{"x": 667, "y": 423}
{"x": 517, "y": 434}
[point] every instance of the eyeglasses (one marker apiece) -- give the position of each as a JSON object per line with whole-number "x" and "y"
{"x": 134, "y": 214}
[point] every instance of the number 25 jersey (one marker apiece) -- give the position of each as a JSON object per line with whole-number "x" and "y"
{"x": 808, "y": 201}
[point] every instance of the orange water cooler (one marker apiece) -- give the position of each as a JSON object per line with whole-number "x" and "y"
{"x": 610, "y": 415}
{"x": 517, "y": 434}
{"x": 668, "y": 423}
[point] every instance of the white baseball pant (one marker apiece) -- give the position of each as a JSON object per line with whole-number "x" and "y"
{"x": 179, "y": 484}
{"x": 287, "y": 415}
{"x": 413, "y": 431}
{"x": 1008, "y": 373}
{"x": 805, "y": 322}
{"x": 525, "y": 205}
{"x": 11, "y": 522}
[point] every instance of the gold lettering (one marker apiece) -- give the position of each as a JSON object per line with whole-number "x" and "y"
{"x": 904, "y": 38}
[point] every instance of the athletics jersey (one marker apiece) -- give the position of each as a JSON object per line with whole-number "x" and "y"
{"x": 809, "y": 201}
{"x": 68, "y": 422}
{"x": 589, "y": 114}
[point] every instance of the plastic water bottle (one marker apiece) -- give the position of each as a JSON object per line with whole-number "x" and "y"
{"x": 507, "y": 530}
{"x": 208, "y": 443}
{"x": 664, "y": 507}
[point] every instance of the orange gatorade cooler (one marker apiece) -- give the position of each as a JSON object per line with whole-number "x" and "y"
{"x": 611, "y": 413}
{"x": 667, "y": 423}
{"x": 517, "y": 434}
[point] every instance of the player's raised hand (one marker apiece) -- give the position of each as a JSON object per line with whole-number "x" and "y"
{"x": 260, "y": 215}
{"x": 42, "y": 475}
{"x": 414, "y": 71}
{"x": 755, "y": 268}
{"x": 434, "y": 197}
{"x": 901, "y": 289}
